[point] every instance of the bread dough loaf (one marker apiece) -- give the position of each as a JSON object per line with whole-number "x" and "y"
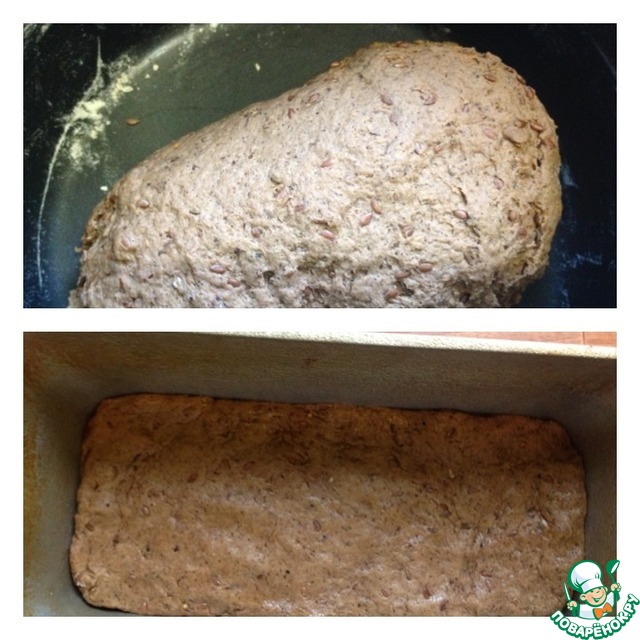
{"x": 408, "y": 175}
{"x": 197, "y": 506}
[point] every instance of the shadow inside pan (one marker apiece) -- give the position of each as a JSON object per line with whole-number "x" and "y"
{"x": 100, "y": 98}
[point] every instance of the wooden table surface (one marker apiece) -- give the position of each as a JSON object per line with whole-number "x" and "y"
{"x": 593, "y": 338}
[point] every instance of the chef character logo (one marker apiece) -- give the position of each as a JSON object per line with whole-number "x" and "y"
{"x": 594, "y": 611}
{"x": 594, "y": 600}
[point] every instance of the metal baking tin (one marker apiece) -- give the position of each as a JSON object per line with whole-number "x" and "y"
{"x": 66, "y": 375}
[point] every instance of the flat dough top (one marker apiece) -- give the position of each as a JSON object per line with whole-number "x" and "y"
{"x": 196, "y": 506}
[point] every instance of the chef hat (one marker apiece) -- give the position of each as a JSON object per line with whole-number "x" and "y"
{"x": 585, "y": 576}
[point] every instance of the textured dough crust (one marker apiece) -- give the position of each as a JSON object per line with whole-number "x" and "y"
{"x": 407, "y": 175}
{"x": 195, "y": 506}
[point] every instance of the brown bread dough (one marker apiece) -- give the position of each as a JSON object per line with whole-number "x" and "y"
{"x": 407, "y": 175}
{"x": 196, "y": 506}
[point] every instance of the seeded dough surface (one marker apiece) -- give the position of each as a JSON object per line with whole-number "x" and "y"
{"x": 407, "y": 175}
{"x": 198, "y": 506}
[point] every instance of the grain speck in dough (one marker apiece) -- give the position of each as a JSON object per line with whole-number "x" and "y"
{"x": 449, "y": 148}
{"x": 197, "y": 506}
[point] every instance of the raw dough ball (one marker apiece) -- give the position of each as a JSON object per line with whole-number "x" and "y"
{"x": 407, "y": 175}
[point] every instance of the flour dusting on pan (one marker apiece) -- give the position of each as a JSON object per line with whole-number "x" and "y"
{"x": 82, "y": 142}
{"x": 86, "y": 120}
{"x": 89, "y": 119}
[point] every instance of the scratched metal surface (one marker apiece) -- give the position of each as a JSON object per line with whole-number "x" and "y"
{"x": 83, "y": 82}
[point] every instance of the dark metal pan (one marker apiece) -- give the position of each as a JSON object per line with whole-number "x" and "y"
{"x": 100, "y": 98}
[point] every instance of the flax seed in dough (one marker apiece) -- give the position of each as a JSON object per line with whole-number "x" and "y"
{"x": 399, "y": 156}
{"x": 197, "y": 506}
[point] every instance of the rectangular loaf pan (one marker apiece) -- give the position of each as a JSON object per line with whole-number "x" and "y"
{"x": 66, "y": 375}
